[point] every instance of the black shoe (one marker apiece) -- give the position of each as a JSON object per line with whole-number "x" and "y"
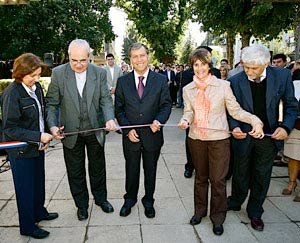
{"x": 195, "y": 220}
{"x": 50, "y": 216}
{"x": 125, "y": 210}
{"x": 106, "y": 206}
{"x": 231, "y": 208}
{"x": 82, "y": 213}
{"x": 38, "y": 234}
{"x": 218, "y": 229}
{"x": 188, "y": 173}
{"x": 149, "y": 212}
{"x": 280, "y": 164}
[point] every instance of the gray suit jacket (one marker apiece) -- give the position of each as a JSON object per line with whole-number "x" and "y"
{"x": 62, "y": 93}
{"x": 112, "y": 82}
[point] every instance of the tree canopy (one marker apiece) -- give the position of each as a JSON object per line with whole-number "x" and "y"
{"x": 160, "y": 22}
{"x": 50, "y": 25}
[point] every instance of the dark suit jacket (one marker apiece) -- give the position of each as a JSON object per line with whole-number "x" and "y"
{"x": 279, "y": 87}
{"x": 21, "y": 119}
{"x": 130, "y": 109}
{"x": 63, "y": 94}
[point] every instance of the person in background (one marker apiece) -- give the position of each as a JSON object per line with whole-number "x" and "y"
{"x": 224, "y": 62}
{"x": 113, "y": 73}
{"x": 23, "y": 114}
{"x": 224, "y": 72}
{"x": 207, "y": 99}
{"x": 79, "y": 89}
{"x": 258, "y": 89}
{"x": 178, "y": 80}
{"x": 279, "y": 60}
{"x": 142, "y": 97}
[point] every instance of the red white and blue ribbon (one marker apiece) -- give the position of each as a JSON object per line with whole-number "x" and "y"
{"x": 12, "y": 144}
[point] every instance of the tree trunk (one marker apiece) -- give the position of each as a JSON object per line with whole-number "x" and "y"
{"x": 246, "y": 35}
{"x": 229, "y": 48}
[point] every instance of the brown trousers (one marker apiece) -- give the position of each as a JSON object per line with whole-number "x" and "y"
{"x": 211, "y": 161}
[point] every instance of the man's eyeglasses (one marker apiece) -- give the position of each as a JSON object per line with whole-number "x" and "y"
{"x": 82, "y": 61}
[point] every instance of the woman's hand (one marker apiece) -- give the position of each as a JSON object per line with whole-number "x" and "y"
{"x": 46, "y": 137}
{"x": 183, "y": 124}
{"x": 257, "y": 131}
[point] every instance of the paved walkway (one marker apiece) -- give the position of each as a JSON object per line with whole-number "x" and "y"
{"x": 174, "y": 205}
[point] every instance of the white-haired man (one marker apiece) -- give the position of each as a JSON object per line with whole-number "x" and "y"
{"x": 258, "y": 89}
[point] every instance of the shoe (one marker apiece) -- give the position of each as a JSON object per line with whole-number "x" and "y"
{"x": 50, "y": 216}
{"x": 195, "y": 220}
{"x": 280, "y": 164}
{"x": 232, "y": 208}
{"x": 38, "y": 234}
{"x": 82, "y": 214}
{"x": 297, "y": 197}
{"x": 289, "y": 189}
{"x": 106, "y": 206}
{"x": 125, "y": 210}
{"x": 149, "y": 212}
{"x": 188, "y": 173}
{"x": 218, "y": 229}
{"x": 257, "y": 224}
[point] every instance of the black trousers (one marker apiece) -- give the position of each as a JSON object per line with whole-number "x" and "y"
{"x": 29, "y": 181}
{"x": 75, "y": 163}
{"x": 252, "y": 171}
{"x": 189, "y": 164}
{"x": 133, "y": 161}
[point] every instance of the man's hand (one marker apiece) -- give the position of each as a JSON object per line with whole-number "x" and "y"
{"x": 155, "y": 126}
{"x": 112, "y": 90}
{"x": 133, "y": 136}
{"x": 238, "y": 134}
{"x": 257, "y": 131}
{"x": 56, "y": 132}
{"x": 110, "y": 125}
{"x": 279, "y": 134}
{"x": 183, "y": 124}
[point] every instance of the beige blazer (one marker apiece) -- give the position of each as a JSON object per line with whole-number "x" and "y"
{"x": 221, "y": 99}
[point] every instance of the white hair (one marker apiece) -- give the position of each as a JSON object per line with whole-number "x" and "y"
{"x": 256, "y": 55}
{"x": 79, "y": 42}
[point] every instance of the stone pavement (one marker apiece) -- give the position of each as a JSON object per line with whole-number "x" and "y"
{"x": 174, "y": 204}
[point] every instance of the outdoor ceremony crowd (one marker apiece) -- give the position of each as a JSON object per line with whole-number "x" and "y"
{"x": 237, "y": 122}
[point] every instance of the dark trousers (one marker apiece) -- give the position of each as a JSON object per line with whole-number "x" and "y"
{"x": 29, "y": 181}
{"x": 75, "y": 163}
{"x": 189, "y": 164}
{"x": 133, "y": 160}
{"x": 252, "y": 171}
{"x": 211, "y": 159}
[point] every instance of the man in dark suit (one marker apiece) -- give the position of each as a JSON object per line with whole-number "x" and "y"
{"x": 170, "y": 74}
{"x": 142, "y": 97}
{"x": 79, "y": 90}
{"x": 187, "y": 77}
{"x": 258, "y": 89}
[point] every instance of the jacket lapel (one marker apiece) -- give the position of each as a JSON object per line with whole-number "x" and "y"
{"x": 149, "y": 84}
{"x": 246, "y": 91}
{"x": 272, "y": 84}
{"x": 90, "y": 86}
{"x": 72, "y": 86}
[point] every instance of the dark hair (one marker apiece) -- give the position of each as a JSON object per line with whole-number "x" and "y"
{"x": 280, "y": 56}
{"x": 205, "y": 47}
{"x": 136, "y": 46}
{"x": 224, "y": 60}
{"x": 26, "y": 64}
{"x": 203, "y": 55}
{"x": 110, "y": 55}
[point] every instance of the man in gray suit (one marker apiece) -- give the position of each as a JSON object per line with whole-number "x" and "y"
{"x": 113, "y": 73}
{"x": 79, "y": 90}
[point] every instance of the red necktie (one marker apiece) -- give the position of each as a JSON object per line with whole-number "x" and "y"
{"x": 141, "y": 86}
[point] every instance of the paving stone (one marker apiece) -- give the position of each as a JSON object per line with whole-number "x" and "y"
{"x": 7, "y": 189}
{"x": 98, "y": 217}
{"x": 233, "y": 233}
{"x": 287, "y": 206}
{"x": 169, "y": 234}
{"x": 168, "y": 211}
{"x": 278, "y": 233}
{"x": 114, "y": 234}
{"x": 12, "y": 234}
{"x": 9, "y": 214}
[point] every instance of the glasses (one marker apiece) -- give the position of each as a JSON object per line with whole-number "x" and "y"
{"x": 81, "y": 62}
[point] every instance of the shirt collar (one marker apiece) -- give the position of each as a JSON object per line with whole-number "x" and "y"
{"x": 28, "y": 90}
